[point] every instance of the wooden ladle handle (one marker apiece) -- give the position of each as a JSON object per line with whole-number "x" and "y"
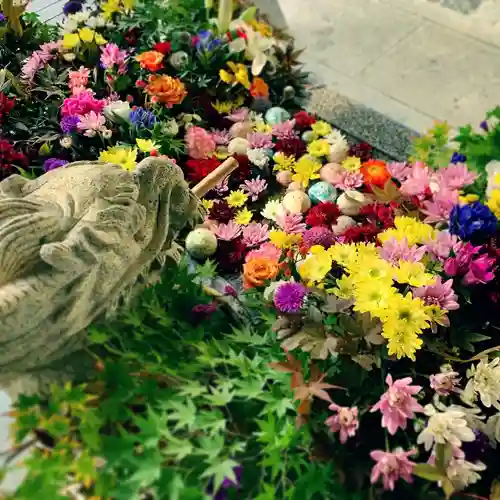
{"x": 213, "y": 178}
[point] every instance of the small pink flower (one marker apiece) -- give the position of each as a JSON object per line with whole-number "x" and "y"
{"x": 349, "y": 180}
{"x": 445, "y": 383}
{"x": 221, "y": 137}
{"x": 291, "y": 223}
{"x": 254, "y": 187}
{"x": 267, "y": 250}
{"x": 442, "y": 244}
{"x": 200, "y": 143}
{"x": 439, "y": 294}
{"x": 417, "y": 183}
{"x": 82, "y": 104}
{"x": 238, "y": 115}
{"x": 399, "y": 171}
{"x": 91, "y": 123}
{"x": 460, "y": 263}
{"x": 439, "y": 208}
{"x": 38, "y": 60}
{"x": 397, "y": 404}
{"x": 111, "y": 55}
{"x": 227, "y": 232}
{"x": 78, "y": 79}
{"x": 285, "y": 130}
{"x": 255, "y": 233}
{"x": 260, "y": 140}
{"x": 222, "y": 186}
{"x": 394, "y": 250}
{"x": 454, "y": 177}
{"x": 391, "y": 466}
{"x": 480, "y": 271}
{"x": 346, "y": 421}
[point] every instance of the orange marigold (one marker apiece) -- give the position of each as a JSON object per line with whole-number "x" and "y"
{"x": 257, "y": 270}
{"x": 375, "y": 173}
{"x": 151, "y": 60}
{"x": 259, "y": 88}
{"x": 166, "y": 90}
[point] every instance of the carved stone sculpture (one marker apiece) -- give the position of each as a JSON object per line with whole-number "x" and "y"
{"x": 77, "y": 243}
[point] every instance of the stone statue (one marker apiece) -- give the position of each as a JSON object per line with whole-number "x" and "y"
{"x": 77, "y": 243}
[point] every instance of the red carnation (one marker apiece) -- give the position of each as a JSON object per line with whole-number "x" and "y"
{"x": 230, "y": 255}
{"x": 199, "y": 169}
{"x": 6, "y": 106}
{"x": 364, "y": 233}
{"x": 292, "y": 146}
{"x": 323, "y": 214}
{"x": 379, "y": 214}
{"x": 362, "y": 150}
{"x": 304, "y": 120}
{"x": 221, "y": 211}
{"x": 10, "y": 159}
{"x": 163, "y": 47}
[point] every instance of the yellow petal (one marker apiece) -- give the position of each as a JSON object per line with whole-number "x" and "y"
{"x": 70, "y": 41}
{"x": 86, "y": 35}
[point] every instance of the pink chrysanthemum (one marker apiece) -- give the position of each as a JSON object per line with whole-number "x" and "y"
{"x": 227, "y": 232}
{"x": 439, "y": 294}
{"x": 111, "y": 55}
{"x": 285, "y": 130}
{"x": 394, "y": 250}
{"x": 397, "y": 404}
{"x": 267, "y": 250}
{"x": 391, "y": 466}
{"x": 238, "y": 115}
{"x": 349, "y": 180}
{"x": 221, "y": 137}
{"x": 200, "y": 143}
{"x": 254, "y": 187}
{"x": 291, "y": 223}
{"x": 255, "y": 233}
{"x": 91, "y": 123}
{"x": 260, "y": 140}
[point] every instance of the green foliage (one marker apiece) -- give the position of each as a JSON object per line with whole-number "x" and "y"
{"x": 433, "y": 147}
{"x": 176, "y": 403}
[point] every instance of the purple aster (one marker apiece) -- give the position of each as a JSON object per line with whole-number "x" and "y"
{"x": 2, "y": 17}
{"x": 289, "y": 297}
{"x": 53, "y": 163}
{"x": 69, "y": 123}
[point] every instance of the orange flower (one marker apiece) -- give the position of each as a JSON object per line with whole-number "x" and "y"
{"x": 166, "y": 90}
{"x": 259, "y": 88}
{"x": 151, "y": 60}
{"x": 374, "y": 172}
{"x": 257, "y": 270}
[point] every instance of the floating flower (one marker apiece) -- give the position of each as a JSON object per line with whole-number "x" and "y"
{"x": 199, "y": 142}
{"x": 323, "y": 214}
{"x": 82, "y": 104}
{"x": 243, "y": 216}
{"x": 375, "y": 173}
{"x": 347, "y": 181}
{"x": 146, "y": 145}
{"x": 254, "y": 187}
{"x": 344, "y": 421}
{"x": 483, "y": 383}
{"x": 283, "y": 163}
{"x": 151, "y": 60}
{"x": 284, "y": 130}
{"x": 289, "y": 297}
{"x": 259, "y": 157}
{"x": 260, "y": 140}
{"x": 199, "y": 169}
{"x": 319, "y": 235}
{"x": 238, "y": 74}
{"x": 258, "y": 270}
{"x": 306, "y": 169}
{"x": 255, "y": 233}
{"x": 413, "y": 273}
{"x": 391, "y": 466}
{"x": 445, "y": 383}
{"x": 398, "y": 404}
{"x": 259, "y": 88}
{"x": 124, "y": 156}
{"x": 292, "y": 146}
{"x": 472, "y": 222}
{"x": 291, "y": 223}
{"x": 272, "y": 209}
{"x": 166, "y": 90}
{"x": 304, "y": 120}
{"x": 267, "y": 250}
{"x": 319, "y": 148}
{"x": 351, "y": 164}
{"x": 221, "y": 211}
{"x": 393, "y": 251}
{"x": 321, "y": 128}
{"x": 228, "y": 231}
{"x": 439, "y": 294}
{"x": 282, "y": 240}
{"x": 236, "y": 198}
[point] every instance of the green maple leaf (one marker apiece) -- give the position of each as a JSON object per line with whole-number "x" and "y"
{"x": 221, "y": 471}
{"x": 214, "y": 421}
{"x": 221, "y": 395}
{"x": 250, "y": 389}
{"x": 193, "y": 389}
{"x": 178, "y": 448}
{"x": 184, "y": 414}
{"x": 211, "y": 447}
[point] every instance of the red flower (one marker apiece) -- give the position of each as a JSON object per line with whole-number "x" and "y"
{"x": 199, "y": 169}
{"x": 375, "y": 173}
{"x": 230, "y": 255}
{"x": 304, "y": 120}
{"x": 323, "y": 214}
{"x": 10, "y": 158}
{"x": 163, "y": 47}
{"x": 243, "y": 170}
{"x": 364, "y": 233}
{"x": 362, "y": 150}
{"x": 379, "y": 214}
{"x": 221, "y": 211}
{"x": 291, "y": 147}
{"x": 6, "y": 106}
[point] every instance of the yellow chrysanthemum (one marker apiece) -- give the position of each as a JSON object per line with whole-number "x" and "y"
{"x": 306, "y": 169}
{"x": 238, "y": 74}
{"x": 413, "y": 273}
{"x": 319, "y": 148}
{"x": 236, "y": 198}
{"x": 351, "y": 163}
{"x": 321, "y": 128}
{"x": 494, "y": 202}
{"x": 414, "y": 231}
{"x": 283, "y": 162}
{"x": 208, "y": 204}
{"x": 263, "y": 127}
{"x": 344, "y": 254}
{"x": 403, "y": 344}
{"x": 284, "y": 240}
{"x": 146, "y": 145}
{"x": 369, "y": 269}
{"x": 373, "y": 297}
{"x": 223, "y": 107}
{"x": 243, "y": 216}
{"x": 109, "y": 8}
{"x": 345, "y": 287}
{"x": 316, "y": 266}
{"x": 70, "y": 41}
{"x": 124, "y": 156}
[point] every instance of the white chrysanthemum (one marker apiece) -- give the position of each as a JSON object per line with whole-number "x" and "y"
{"x": 472, "y": 414}
{"x": 462, "y": 473}
{"x": 334, "y": 137}
{"x": 484, "y": 382}
{"x": 444, "y": 427}
{"x": 272, "y": 209}
{"x": 338, "y": 151}
{"x": 258, "y": 156}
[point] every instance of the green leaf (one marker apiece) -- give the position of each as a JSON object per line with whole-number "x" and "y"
{"x": 178, "y": 448}
{"x": 250, "y": 389}
{"x": 269, "y": 493}
{"x": 221, "y": 395}
{"x": 193, "y": 389}
{"x": 184, "y": 414}
{"x": 221, "y": 471}
{"x": 428, "y": 472}
{"x": 211, "y": 447}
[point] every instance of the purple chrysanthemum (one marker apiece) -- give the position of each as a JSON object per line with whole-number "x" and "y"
{"x": 318, "y": 235}
{"x": 69, "y": 123}
{"x": 53, "y": 163}
{"x": 289, "y": 297}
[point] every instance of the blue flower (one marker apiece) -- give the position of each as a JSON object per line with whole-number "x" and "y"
{"x": 206, "y": 41}
{"x": 458, "y": 158}
{"x": 472, "y": 222}
{"x": 53, "y": 163}
{"x": 140, "y": 117}
{"x": 73, "y": 6}
{"x": 2, "y": 17}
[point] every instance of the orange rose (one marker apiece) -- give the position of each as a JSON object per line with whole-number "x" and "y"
{"x": 151, "y": 60}
{"x": 257, "y": 270}
{"x": 259, "y": 88}
{"x": 165, "y": 89}
{"x": 375, "y": 173}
